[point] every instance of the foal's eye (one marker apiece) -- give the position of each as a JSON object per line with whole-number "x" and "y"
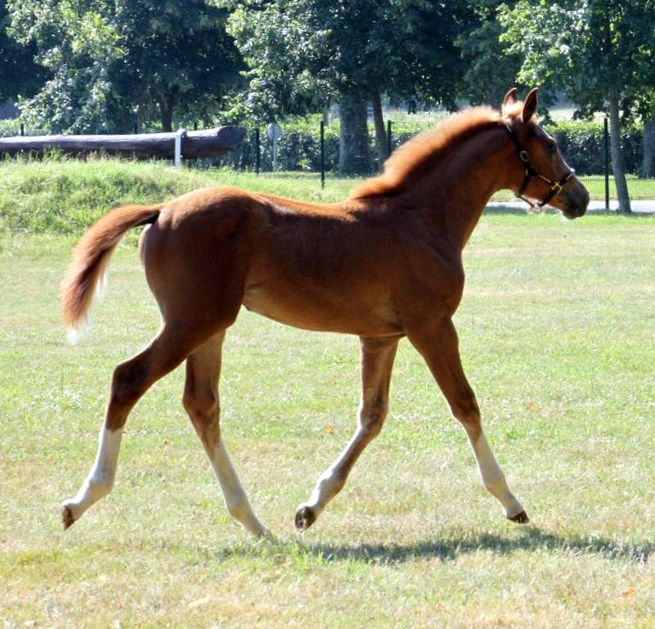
{"x": 551, "y": 148}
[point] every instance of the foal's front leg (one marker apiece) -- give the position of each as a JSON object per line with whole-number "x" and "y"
{"x": 438, "y": 344}
{"x": 377, "y": 362}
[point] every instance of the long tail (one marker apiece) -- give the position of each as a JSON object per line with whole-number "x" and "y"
{"x": 91, "y": 257}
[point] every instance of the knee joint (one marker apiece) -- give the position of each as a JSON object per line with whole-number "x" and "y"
{"x": 201, "y": 408}
{"x": 466, "y": 410}
{"x": 372, "y": 418}
{"x": 127, "y": 386}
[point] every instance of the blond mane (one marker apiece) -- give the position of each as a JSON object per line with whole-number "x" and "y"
{"x": 425, "y": 148}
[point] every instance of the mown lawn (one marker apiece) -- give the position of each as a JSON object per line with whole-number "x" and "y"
{"x": 556, "y": 331}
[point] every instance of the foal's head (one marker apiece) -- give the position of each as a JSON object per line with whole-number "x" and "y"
{"x": 546, "y": 177}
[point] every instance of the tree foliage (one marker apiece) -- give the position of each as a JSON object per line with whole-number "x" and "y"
{"x": 112, "y": 62}
{"x": 21, "y": 75}
{"x": 587, "y": 48}
{"x": 601, "y": 53}
{"x": 180, "y": 51}
{"x": 302, "y": 53}
{"x": 106, "y": 65}
{"x": 490, "y": 67}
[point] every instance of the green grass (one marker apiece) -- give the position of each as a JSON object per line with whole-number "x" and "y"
{"x": 556, "y": 330}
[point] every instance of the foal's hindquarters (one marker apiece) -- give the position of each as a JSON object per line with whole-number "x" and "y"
{"x": 195, "y": 267}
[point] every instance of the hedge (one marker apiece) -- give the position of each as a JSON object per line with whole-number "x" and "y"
{"x": 583, "y": 145}
{"x": 581, "y": 142}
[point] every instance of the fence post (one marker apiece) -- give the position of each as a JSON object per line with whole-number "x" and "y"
{"x": 22, "y": 129}
{"x": 322, "y": 154}
{"x": 607, "y": 164}
{"x": 257, "y": 163}
{"x": 388, "y": 138}
{"x": 178, "y": 146}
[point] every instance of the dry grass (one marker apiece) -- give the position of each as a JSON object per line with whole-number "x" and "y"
{"x": 557, "y": 338}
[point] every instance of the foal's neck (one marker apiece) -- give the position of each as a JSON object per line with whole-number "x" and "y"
{"x": 457, "y": 190}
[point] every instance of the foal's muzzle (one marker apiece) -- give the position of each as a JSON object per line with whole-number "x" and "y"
{"x": 573, "y": 199}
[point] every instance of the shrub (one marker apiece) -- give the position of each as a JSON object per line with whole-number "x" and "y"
{"x": 9, "y": 127}
{"x": 583, "y": 145}
{"x": 581, "y": 142}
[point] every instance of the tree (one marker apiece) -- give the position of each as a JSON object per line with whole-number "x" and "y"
{"x": 490, "y": 67}
{"x": 306, "y": 53}
{"x": 21, "y": 76}
{"x": 180, "y": 52}
{"x": 300, "y": 59}
{"x": 115, "y": 60}
{"x": 599, "y": 52}
{"x": 76, "y": 44}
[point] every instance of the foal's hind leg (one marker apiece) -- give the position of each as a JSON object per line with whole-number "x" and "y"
{"x": 377, "y": 362}
{"x": 131, "y": 380}
{"x": 439, "y": 346}
{"x": 201, "y": 401}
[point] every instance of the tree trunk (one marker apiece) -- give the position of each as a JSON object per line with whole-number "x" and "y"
{"x": 380, "y": 133}
{"x": 354, "y": 151}
{"x": 648, "y": 158}
{"x": 618, "y": 165}
{"x": 166, "y": 114}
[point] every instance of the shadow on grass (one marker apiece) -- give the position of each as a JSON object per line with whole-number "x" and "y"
{"x": 449, "y": 550}
{"x": 530, "y": 539}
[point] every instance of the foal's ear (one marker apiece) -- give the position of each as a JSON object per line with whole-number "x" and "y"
{"x": 510, "y": 98}
{"x": 530, "y": 105}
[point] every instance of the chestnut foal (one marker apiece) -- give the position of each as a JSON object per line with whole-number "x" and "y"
{"x": 383, "y": 264}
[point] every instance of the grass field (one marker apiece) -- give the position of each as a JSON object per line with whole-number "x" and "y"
{"x": 556, "y": 330}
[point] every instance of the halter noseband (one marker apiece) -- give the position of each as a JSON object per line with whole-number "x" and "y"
{"x": 531, "y": 171}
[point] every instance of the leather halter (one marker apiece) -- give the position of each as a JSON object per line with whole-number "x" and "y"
{"x": 531, "y": 171}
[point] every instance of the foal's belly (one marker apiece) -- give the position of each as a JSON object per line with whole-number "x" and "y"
{"x": 325, "y": 311}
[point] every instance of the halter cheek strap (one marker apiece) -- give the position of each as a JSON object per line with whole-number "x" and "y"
{"x": 531, "y": 171}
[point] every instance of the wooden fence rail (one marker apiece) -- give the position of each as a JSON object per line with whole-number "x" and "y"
{"x": 206, "y": 143}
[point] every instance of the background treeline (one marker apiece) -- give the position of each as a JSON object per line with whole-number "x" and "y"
{"x": 119, "y": 65}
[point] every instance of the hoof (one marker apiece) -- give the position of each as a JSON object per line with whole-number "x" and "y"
{"x": 305, "y": 517}
{"x": 67, "y": 516}
{"x": 519, "y": 518}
